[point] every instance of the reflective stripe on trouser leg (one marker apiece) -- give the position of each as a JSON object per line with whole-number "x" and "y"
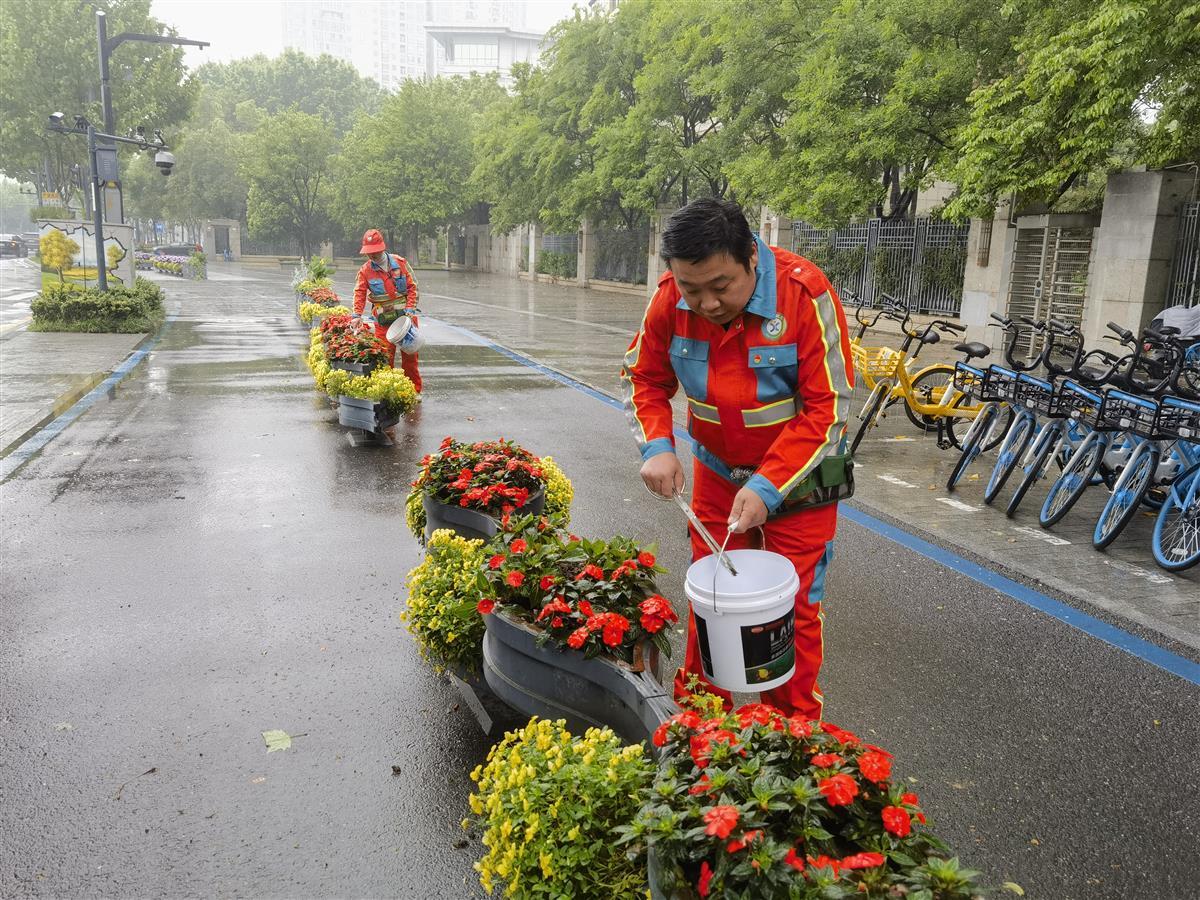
{"x": 802, "y": 695}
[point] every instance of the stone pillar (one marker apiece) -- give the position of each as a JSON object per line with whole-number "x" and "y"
{"x": 535, "y": 250}
{"x": 326, "y": 250}
{"x": 583, "y": 254}
{"x": 1131, "y": 256}
{"x": 654, "y": 264}
{"x": 775, "y": 229}
{"x": 985, "y": 278}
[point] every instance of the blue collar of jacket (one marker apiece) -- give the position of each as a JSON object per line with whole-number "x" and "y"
{"x": 762, "y": 301}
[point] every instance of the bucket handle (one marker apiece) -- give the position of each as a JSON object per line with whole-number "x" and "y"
{"x": 720, "y": 558}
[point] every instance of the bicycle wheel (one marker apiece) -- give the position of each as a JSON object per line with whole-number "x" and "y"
{"x": 1000, "y": 425}
{"x": 973, "y": 443}
{"x": 1014, "y": 447}
{"x": 870, "y": 412}
{"x": 929, "y": 387}
{"x": 1046, "y": 443}
{"x": 1076, "y": 477}
{"x": 1176, "y": 541}
{"x": 1126, "y": 495}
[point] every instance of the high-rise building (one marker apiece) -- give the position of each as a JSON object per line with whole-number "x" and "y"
{"x": 391, "y": 40}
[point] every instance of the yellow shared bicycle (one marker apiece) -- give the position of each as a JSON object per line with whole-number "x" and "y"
{"x": 932, "y": 402}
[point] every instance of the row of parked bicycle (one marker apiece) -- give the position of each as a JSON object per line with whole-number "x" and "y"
{"x": 1125, "y": 421}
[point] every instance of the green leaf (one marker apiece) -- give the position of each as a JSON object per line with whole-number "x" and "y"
{"x": 1014, "y": 887}
{"x": 277, "y": 740}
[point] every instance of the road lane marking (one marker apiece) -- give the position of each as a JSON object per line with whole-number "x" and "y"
{"x": 1045, "y": 536}
{"x": 958, "y": 504}
{"x": 892, "y": 479}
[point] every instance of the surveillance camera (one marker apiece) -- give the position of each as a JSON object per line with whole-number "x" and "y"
{"x": 81, "y": 123}
{"x": 165, "y": 160}
{"x": 56, "y": 119}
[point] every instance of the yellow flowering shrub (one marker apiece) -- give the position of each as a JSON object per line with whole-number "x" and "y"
{"x": 559, "y": 491}
{"x": 442, "y": 596}
{"x": 414, "y": 515}
{"x": 310, "y": 311}
{"x": 548, "y": 804}
{"x": 317, "y": 361}
{"x": 385, "y": 385}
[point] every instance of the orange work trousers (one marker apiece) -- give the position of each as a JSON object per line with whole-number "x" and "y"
{"x": 408, "y": 361}
{"x": 804, "y": 537}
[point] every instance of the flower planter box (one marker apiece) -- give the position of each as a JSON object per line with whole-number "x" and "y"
{"x": 356, "y": 368}
{"x": 470, "y": 523}
{"x": 365, "y": 414}
{"x": 557, "y": 684}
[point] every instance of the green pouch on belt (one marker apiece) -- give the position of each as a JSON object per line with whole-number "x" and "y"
{"x": 832, "y": 480}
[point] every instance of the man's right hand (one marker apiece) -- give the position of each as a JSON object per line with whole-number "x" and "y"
{"x": 663, "y": 474}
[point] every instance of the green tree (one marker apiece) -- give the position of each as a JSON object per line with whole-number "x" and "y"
{"x": 48, "y": 63}
{"x": 287, "y": 163}
{"x": 242, "y": 90}
{"x": 408, "y": 165}
{"x": 57, "y": 251}
{"x": 1089, "y": 81}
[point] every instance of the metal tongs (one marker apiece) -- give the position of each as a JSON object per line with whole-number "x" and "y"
{"x": 705, "y": 534}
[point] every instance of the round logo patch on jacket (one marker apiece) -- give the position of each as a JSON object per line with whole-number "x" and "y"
{"x": 772, "y": 329}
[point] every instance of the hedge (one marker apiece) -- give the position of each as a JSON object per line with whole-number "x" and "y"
{"x": 128, "y": 310}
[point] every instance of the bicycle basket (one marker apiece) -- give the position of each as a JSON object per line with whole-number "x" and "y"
{"x": 877, "y": 362}
{"x": 1179, "y": 418}
{"x": 1073, "y": 401}
{"x": 999, "y": 384}
{"x": 967, "y": 379}
{"x": 1128, "y": 412}
{"x": 1034, "y": 393}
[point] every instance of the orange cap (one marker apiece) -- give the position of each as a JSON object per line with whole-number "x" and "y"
{"x": 372, "y": 241}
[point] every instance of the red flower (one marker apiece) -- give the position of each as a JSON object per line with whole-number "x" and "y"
{"x": 547, "y": 582}
{"x": 826, "y": 760}
{"x": 862, "y": 861}
{"x": 660, "y": 733}
{"x": 719, "y": 821}
{"x": 591, "y": 570}
{"x": 646, "y": 559}
{"x": 875, "y": 766}
{"x": 518, "y": 546}
{"x": 585, "y": 608}
{"x": 573, "y": 538}
{"x": 825, "y": 861}
{"x": 496, "y": 561}
{"x": 485, "y": 606}
{"x": 796, "y": 862}
{"x": 700, "y": 786}
{"x": 515, "y": 579}
{"x": 840, "y": 734}
{"x": 798, "y": 728}
{"x": 756, "y": 713}
{"x": 578, "y": 638}
{"x": 839, "y": 790}
{"x": 896, "y": 821}
{"x": 706, "y": 875}
{"x": 740, "y": 843}
{"x": 614, "y": 629}
{"x": 910, "y": 798}
{"x": 556, "y": 622}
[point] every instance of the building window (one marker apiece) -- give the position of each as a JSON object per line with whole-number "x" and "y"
{"x": 476, "y": 55}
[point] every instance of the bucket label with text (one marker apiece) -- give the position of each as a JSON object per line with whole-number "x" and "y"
{"x": 769, "y": 650}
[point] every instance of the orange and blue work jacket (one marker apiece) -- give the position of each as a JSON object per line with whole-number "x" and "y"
{"x": 768, "y": 393}
{"x": 393, "y": 280}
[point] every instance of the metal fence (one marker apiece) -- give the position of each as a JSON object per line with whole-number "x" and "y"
{"x": 1184, "y": 286}
{"x": 559, "y": 255}
{"x": 918, "y": 260}
{"x": 620, "y": 254}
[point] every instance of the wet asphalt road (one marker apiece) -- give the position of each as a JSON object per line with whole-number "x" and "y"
{"x": 204, "y": 557}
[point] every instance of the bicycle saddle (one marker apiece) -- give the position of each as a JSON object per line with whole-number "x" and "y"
{"x": 973, "y": 349}
{"x": 931, "y": 338}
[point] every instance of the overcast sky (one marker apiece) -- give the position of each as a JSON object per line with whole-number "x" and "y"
{"x": 238, "y": 28}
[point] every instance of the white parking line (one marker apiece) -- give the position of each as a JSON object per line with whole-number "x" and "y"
{"x": 1047, "y": 537}
{"x": 958, "y": 504}
{"x": 1138, "y": 572}
{"x": 892, "y": 479}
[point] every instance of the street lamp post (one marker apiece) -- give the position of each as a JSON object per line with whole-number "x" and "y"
{"x": 106, "y": 46}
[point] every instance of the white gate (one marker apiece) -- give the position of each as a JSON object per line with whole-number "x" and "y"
{"x": 1051, "y": 258}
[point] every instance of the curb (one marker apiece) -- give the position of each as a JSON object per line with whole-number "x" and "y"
{"x": 11, "y": 459}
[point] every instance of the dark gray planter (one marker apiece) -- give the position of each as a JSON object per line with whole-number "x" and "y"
{"x": 563, "y": 684}
{"x": 365, "y": 414}
{"x": 471, "y": 523}
{"x": 356, "y": 368}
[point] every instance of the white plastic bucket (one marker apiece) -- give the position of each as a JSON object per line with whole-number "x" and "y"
{"x": 745, "y": 625}
{"x": 405, "y": 335}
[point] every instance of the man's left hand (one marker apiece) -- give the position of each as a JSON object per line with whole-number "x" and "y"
{"x": 748, "y": 511}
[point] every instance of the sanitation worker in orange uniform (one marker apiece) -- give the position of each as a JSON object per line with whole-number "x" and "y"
{"x": 387, "y": 283}
{"x": 757, "y": 339}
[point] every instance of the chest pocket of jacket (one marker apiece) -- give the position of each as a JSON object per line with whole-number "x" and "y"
{"x": 376, "y": 287}
{"x": 689, "y": 359}
{"x": 776, "y": 371}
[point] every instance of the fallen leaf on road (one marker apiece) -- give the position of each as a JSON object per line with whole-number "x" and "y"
{"x": 1015, "y": 888}
{"x": 396, "y": 770}
{"x": 277, "y": 740}
{"x": 63, "y": 726}
{"x": 149, "y": 771}
{"x": 258, "y": 780}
